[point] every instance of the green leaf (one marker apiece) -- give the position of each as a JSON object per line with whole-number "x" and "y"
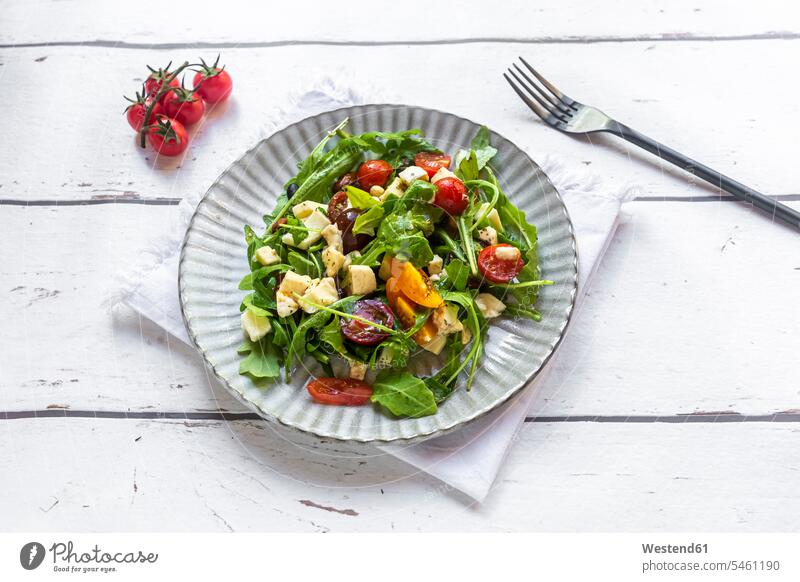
{"x": 467, "y": 167}
{"x": 246, "y": 284}
{"x": 249, "y": 304}
{"x": 367, "y": 222}
{"x": 420, "y": 191}
{"x": 457, "y": 274}
{"x": 360, "y": 199}
{"x": 331, "y": 334}
{"x": 394, "y": 352}
{"x": 297, "y": 347}
{"x": 303, "y": 265}
{"x": 483, "y": 150}
{"x": 403, "y": 394}
{"x": 394, "y": 147}
{"x": 414, "y": 248}
{"x": 439, "y": 389}
{"x": 261, "y": 361}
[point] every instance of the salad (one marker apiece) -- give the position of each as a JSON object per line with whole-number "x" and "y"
{"x": 379, "y": 250}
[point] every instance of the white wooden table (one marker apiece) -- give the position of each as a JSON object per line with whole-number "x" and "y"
{"x": 682, "y": 412}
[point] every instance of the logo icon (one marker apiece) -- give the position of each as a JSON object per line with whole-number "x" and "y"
{"x": 31, "y": 555}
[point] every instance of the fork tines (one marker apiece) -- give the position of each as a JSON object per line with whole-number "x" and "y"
{"x": 547, "y": 101}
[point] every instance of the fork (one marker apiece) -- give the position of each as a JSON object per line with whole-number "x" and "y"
{"x": 569, "y": 116}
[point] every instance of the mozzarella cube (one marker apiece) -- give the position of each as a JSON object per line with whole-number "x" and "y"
{"x": 323, "y": 292}
{"x": 267, "y": 256}
{"x": 488, "y": 235}
{"x": 304, "y": 209}
{"x": 357, "y": 370}
{"x": 412, "y": 173}
{"x": 333, "y": 260}
{"x": 493, "y": 217}
{"x": 507, "y": 253}
{"x": 436, "y": 345}
{"x": 446, "y": 319}
{"x": 442, "y": 173}
{"x": 255, "y": 326}
{"x": 396, "y": 187}
{"x": 362, "y": 280}
{"x": 489, "y": 305}
{"x": 288, "y": 239}
{"x": 293, "y": 283}
{"x": 333, "y": 236}
{"x": 435, "y": 266}
{"x": 286, "y": 304}
{"x": 315, "y": 222}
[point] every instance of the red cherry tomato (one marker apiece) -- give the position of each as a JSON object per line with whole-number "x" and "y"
{"x": 153, "y": 83}
{"x": 432, "y": 162}
{"x": 184, "y": 106}
{"x": 340, "y": 391}
{"x": 374, "y": 173}
{"x": 361, "y": 333}
{"x": 135, "y": 113}
{"x": 213, "y": 84}
{"x": 496, "y": 269}
{"x": 337, "y": 205}
{"x": 168, "y": 136}
{"x": 451, "y": 196}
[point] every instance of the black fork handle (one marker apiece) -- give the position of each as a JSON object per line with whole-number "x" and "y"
{"x": 737, "y": 189}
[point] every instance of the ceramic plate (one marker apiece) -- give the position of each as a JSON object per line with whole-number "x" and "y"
{"x": 213, "y": 260}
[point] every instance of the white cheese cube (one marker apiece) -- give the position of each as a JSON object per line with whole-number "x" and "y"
{"x": 255, "y": 326}
{"x": 323, "y": 292}
{"x": 412, "y": 173}
{"x": 357, "y": 370}
{"x": 304, "y": 209}
{"x": 286, "y": 304}
{"x": 489, "y": 305}
{"x": 333, "y": 236}
{"x": 293, "y": 283}
{"x": 436, "y": 345}
{"x": 333, "y": 260}
{"x": 446, "y": 319}
{"x": 267, "y": 256}
{"x": 488, "y": 235}
{"x": 315, "y": 222}
{"x": 288, "y": 239}
{"x": 362, "y": 280}
{"x": 442, "y": 173}
{"x": 435, "y": 266}
{"x": 493, "y": 217}
{"x": 396, "y": 187}
{"x": 507, "y": 253}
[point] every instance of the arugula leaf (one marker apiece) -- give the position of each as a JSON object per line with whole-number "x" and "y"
{"x": 297, "y": 347}
{"x": 457, "y": 274}
{"x": 261, "y": 361}
{"x": 331, "y": 334}
{"x": 414, "y": 248}
{"x": 467, "y": 166}
{"x": 419, "y": 191}
{"x": 483, "y": 150}
{"x": 367, "y": 222}
{"x": 361, "y": 199}
{"x": 246, "y": 284}
{"x": 393, "y": 352}
{"x": 403, "y": 394}
{"x": 439, "y": 389}
{"x": 249, "y": 302}
{"x": 303, "y": 265}
{"x": 393, "y": 147}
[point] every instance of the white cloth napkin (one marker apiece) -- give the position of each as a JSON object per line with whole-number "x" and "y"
{"x": 468, "y": 459}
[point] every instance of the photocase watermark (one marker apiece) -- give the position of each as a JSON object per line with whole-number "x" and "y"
{"x": 65, "y": 557}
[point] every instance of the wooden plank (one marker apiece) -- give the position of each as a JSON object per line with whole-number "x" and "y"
{"x": 666, "y": 90}
{"x": 210, "y": 476}
{"x": 245, "y": 22}
{"x": 693, "y": 310}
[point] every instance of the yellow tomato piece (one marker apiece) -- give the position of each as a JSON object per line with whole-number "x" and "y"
{"x": 415, "y": 285}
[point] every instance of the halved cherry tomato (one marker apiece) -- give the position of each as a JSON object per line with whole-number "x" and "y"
{"x": 451, "y": 196}
{"x": 184, "y": 106}
{"x": 348, "y": 179}
{"x": 361, "y": 333}
{"x": 373, "y": 173}
{"x": 340, "y": 391}
{"x": 415, "y": 285}
{"x": 168, "y": 137}
{"x": 432, "y": 162}
{"x": 496, "y": 269}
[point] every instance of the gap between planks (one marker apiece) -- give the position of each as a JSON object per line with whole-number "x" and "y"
{"x": 176, "y": 201}
{"x": 691, "y": 418}
{"x": 667, "y": 37}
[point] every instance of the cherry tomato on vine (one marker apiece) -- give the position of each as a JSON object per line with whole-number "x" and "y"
{"x": 168, "y": 136}
{"x": 432, "y": 162}
{"x": 373, "y": 173}
{"x": 184, "y": 106}
{"x": 340, "y": 391}
{"x": 500, "y": 263}
{"x": 137, "y": 109}
{"x": 213, "y": 83}
{"x": 451, "y": 196}
{"x": 156, "y": 79}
